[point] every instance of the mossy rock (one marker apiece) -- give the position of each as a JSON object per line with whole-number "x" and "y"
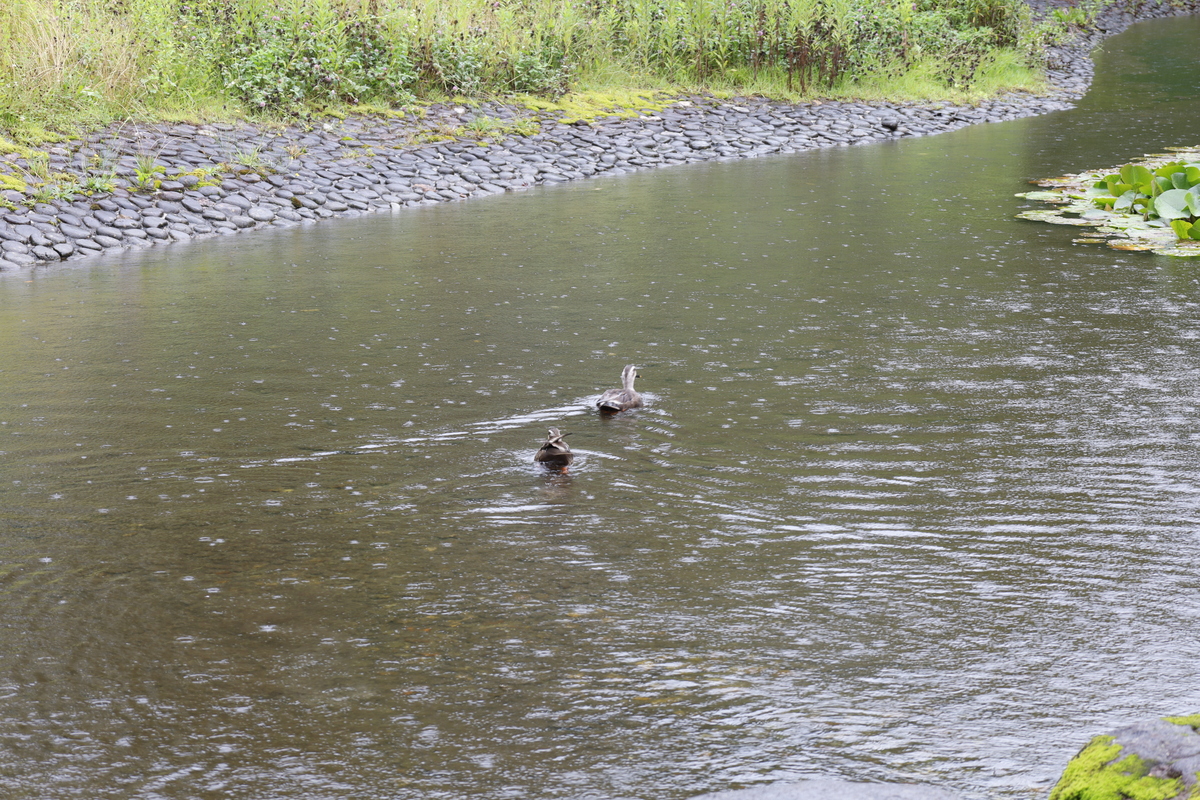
{"x": 1158, "y": 760}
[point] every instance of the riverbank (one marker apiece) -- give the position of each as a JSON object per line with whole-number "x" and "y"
{"x": 163, "y": 183}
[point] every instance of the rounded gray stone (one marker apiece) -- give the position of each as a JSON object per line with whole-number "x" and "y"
{"x": 20, "y": 259}
{"x": 1159, "y": 740}
{"x": 74, "y": 232}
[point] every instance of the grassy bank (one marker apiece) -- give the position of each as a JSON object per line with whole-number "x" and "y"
{"x": 66, "y": 64}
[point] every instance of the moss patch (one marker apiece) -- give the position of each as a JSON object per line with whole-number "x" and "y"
{"x": 1192, "y": 721}
{"x": 207, "y": 176}
{"x": 19, "y": 150}
{"x": 12, "y": 182}
{"x": 588, "y": 106}
{"x": 1094, "y": 775}
{"x": 485, "y": 127}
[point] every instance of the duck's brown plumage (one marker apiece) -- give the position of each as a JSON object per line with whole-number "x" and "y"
{"x": 555, "y": 452}
{"x": 616, "y": 400}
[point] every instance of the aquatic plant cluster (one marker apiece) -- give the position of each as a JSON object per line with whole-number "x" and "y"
{"x": 87, "y": 58}
{"x": 1153, "y": 204}
{"x": 1170, "y": 193}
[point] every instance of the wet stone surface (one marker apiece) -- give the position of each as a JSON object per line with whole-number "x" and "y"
{"x": 218, "y": 179}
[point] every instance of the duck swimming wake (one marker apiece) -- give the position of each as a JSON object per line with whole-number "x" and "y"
{"x": 555, "y": 453}
{"x": 615, "y": 401}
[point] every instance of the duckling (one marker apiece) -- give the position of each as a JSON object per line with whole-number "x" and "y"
{"x": 555, "y": 452}
{"x": 614, "y": 401}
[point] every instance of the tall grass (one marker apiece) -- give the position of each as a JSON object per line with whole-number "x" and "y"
{"x": 90, "y": 60}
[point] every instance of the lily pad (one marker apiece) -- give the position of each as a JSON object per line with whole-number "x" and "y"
{"x": 1172, "y": 204}
{"x": 1148, "y": 213}
{"x": 1049, "y": 197}
{"x": 1055, "y": 218}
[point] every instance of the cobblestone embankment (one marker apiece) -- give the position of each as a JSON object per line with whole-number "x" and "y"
{"x": 177, "y": 182}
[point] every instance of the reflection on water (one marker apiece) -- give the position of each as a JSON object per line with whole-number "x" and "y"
{"x": 913, "y": 496}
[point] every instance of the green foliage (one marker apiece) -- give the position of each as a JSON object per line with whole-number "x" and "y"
{"x": 66, "y": 62}
{"x": 281, "y": 56}
{"x": 56, "y": 190}
{"x": 486, "y": 127}
{"x": 457, "y": 65}
{"x": 97, "y": 184}
{"x": 252, "y": 160}
{"x": 819, "y": 43}
{"x": 1169, "y": 192}
{"x": 541, "y": 71}
{"x": 1153, "y": 204}
{"x": 1082, "y": 15}
{"x": 144, "y": 171}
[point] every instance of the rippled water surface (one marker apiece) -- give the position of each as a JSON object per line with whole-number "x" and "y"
{"x": 914, "y": 497}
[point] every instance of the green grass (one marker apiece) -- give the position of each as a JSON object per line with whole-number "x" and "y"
{"x": 67, "y": 65}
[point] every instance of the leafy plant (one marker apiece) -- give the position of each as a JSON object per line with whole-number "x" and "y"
{"x": 99, "y": 183}
{"x": 37, "y": 165}
{"x": 457, "y": 64}
{"x": 1169, "y": 192}
{"x": 1153, "y": 204}
{"x": 253, "y": 160}
{"x": 540, "y": 71}
{"x": 144, "y": 170}
{"x": 56, "y": 190}
{"x": 484, "y": 126}
{"x": 1082, "y": 15}
{"x": 280, "y": 58}
{"x": 70, "y": 62}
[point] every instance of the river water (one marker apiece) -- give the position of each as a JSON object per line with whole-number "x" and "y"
{"x": 914, "y": 496}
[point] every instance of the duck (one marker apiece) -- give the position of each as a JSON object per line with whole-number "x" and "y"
{"x": 555, "y": 452}
{"x": 615, "y": 401}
